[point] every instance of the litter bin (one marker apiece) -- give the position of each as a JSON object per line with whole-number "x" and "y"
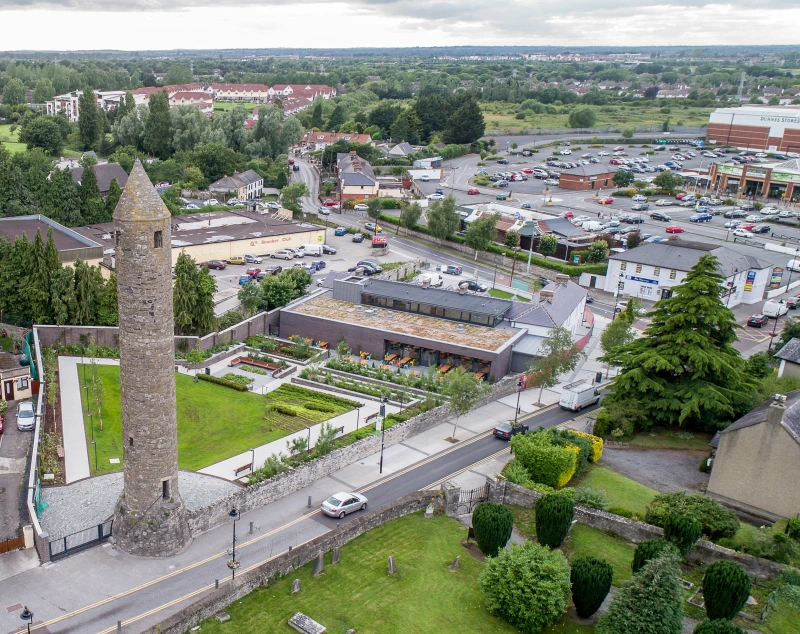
{"x": 208, "y": 371}
{"x": 598, "y": 377}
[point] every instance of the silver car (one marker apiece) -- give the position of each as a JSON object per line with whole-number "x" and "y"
{"x": 340, "y": 504}
{"x": 26, "y": 417}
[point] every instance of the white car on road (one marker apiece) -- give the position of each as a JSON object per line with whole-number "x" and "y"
{"x": 663, "y": 202}
{"x": 361, "y": 207}
{"x": 340, "y": 504}
{"x": 433, "y": 197}
{"x": 741, "y": 233}
{"x": 754, "y": 218}
{"x": 603, "y": 153}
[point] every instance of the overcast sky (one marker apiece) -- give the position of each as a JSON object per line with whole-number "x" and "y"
{"x": 198, "y": 24}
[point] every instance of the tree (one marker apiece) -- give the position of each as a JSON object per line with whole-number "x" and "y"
{"x": 410, "y": 214}
{"x": 668, "y": 181}
{"x": 651, "y": 92}
{"x": 790, "y": 330}
{"x": 650, "y": 549}
{"x": 90, "y": 126}
{"x": 14, "y": 92}
{"x": 493, "y": 524}
{"x": 157, "y": 125}
{"x": 43, "y": 132}
{"x": 726, "y": 588}
{"x": 407, "y": 127}
{"x": 512, "y": 239}
{"x": 554, "y": 515}
{"x": 337, "y": 118}
{"x": 184, "y": 293}
{"x": 443, "y": 219}
{"x": 291, "y": 197}
{"x": 616, "y": 334}
{"x": 583, "y": 117}
{"x": 250, "y": 296}
{"x": 591, "y": 580}
{"x": 114, "y": 194}
{"x": 718, "y": 626}
{"x": 178, "y": 74}
{"x": 548, "y": 244}
{"x": 623, "y": 178}
{"x": 204, "y": 320}
{"x": 558, "y": 355}
{"x": 528, "y": 586}
{"x": 316, "y": 115}
{"x": 215, "y": 160}
{"x": 466, "y": 124}
{"x": 685, "y": 370}
{"x": 88, "y": 289}
{"x": 464, "y": 390}
{"x": 44, "y": 91}
{"x": 633, "y": 240}
{"x": 108, "y": 311}
{"x": 683, "y": 531}
{"x": 627, "y": 133}
{"x": 276, "y": 291}
{"x": 652, "y": 603}
{"x": 481, "y": 232}
{"x": 597, "y": 252}
{"x": 374, "y": 210}
{"x": 128, "y": 130}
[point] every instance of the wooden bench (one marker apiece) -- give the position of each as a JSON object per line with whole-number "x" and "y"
{"x": 254, "y": 362}
{"x": 244, "y": 467}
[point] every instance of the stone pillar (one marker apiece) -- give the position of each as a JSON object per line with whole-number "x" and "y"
{"x": 150, "y": 516}
{"x": 497, "y": 490}
{"x": 451, "y": 494}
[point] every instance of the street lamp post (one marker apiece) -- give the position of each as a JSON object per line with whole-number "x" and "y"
{"x": 235, "y": 515}
{"x": 520, "y": 384}
{"x": 252, "y": 460}
{"x": 27, "y": 615}
{"x": 358, "y": 414}
{"x": 616, "y": 298}
{"x": 384, "y": 400}
{"x": 732, "y": 285}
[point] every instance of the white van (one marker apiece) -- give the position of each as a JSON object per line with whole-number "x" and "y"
{"x": 793, "y": 265}
{"x": 431, "y": 279}
{"x": 774, "y": 309}
{"x": 575, "y": 396}
{"x": 311, "y": 249}
{"x": 593, "y": 225}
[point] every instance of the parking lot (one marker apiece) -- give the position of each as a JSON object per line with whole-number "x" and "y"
{"x": 14, "y": 445}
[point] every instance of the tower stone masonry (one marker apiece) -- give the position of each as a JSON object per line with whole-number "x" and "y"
{"x": 150, "y": 518}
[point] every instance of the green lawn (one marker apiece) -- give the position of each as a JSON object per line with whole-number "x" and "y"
{"x": 495, "y": 292}
{"x": 585, "y": 540}
{"x": 230, "y": 105}
{"x": 5, "y": 343}
{"x": 10, "y": 140}
{"x": 622, "y": 492}
{"x": 214, "y": 422}
{"x": 670, "y": 439}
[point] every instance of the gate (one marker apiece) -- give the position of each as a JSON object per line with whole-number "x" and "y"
{"x": 468, "y": 500}
{"x": 12, "y": 543}
{"x": 63, "y": 546}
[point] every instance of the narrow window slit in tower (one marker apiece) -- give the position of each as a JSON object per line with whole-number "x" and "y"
{"x": 158, "y": 240}
{"x": 130, "y": 441}
{"x": 165, "y": 489}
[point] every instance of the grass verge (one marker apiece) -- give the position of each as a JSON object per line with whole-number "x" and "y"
{"x": 670, "y": 439}
{"x": 496, "y": 292}
{"x": 623, "y": 493}
{"x": 585, "y": 540}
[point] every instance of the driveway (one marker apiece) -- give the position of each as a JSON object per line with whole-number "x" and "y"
{"x": 665, "y": 470}
{"x": 14, "y": 447}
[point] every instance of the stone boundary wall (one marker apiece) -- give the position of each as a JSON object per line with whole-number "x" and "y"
{"x": 298, "y": 478}
{"x": 402, "y": 271}
{"x": 705, "y": 551}
{"x": 281, "y": 565}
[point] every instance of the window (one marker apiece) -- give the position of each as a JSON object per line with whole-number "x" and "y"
{"x": 22, "y": 384}
{"x": 116, "y": 238}
{"x": 646, "y": 291}
{"x": 656, "y": 271}
{"x": 623, "y": 266}
{"x": 673, "y": 274}
{"x": 165, "y": 489}
{"x": 158, "y": 240}
{"x": 638, "y": 268}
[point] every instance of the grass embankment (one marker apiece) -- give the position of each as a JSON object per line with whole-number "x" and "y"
{"x": 625, "y": 496}
{"x": 214, "y": 422}
{"x": 496, "y": 292}
{"x": 670, "y": 439}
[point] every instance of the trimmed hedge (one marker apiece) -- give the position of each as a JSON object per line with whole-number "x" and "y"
{"x": 224, "y": 382}
{"x": 546, "y": 463}
{"x": 716, "y": 520}
{"x": 650, "y": 549}
{"x": 718, "y": 626}
{"x": 726, "y": 588}
{"x": 682, "y": 531}
{"x": 493, "y": 524}
{"x": 554, "y": 515}
{"x": 591, "y": 580}
{"x": 319, "y": 407}
{"x": 597, "y": 445}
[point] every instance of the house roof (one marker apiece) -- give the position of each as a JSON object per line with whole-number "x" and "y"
{"x": 402, "y": 149}
{"x": 791, "y": 164}
{"x": 438, "y": 297}
{"x": 593, "y": 169}
{"x": 356, "y": 178}
{"x": 105, "y": 173}
{"x": 548, "y": 313}
{"x": 791, "y": 351}
{"x": 237, "y": 180}
{"x": 790, "y": 421}
{"x": 563, "y": 227}
{"x": 9, "y": 365}
{"x": 682, "y": 255}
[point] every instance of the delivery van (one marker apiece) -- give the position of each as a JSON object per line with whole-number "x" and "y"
{"x": 575, "y": 396}
{"x": 774, "y": 309}
{"x": 592, "y": 225}
{"x": 311, "y": 249}
{"x": 431, "y": 279}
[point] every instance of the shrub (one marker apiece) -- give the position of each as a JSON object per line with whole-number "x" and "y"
{"x": 593, "y": 498}
{"x": 517, "y": 474}
{"x": 790, "y": 576}
{"x": 493, "y": 524}
{"x": 650, "y": 549}
{"x": 238, "y": 378}
{"x": 527, "y": 585}
{"x": 726, "y": 588}
{"x": 281, "y": 408}
{"x": 548, "y": 464}
{"x": 719, "y": 626}
{"x": 597, "y": 445}
{"x": 224, "y": 382}
{"x": 567, "y": 439}
{"x": 554, "y": 515}
{"x": 716, "y": 520}
{"x": 650, "y": 604}
{"x": 591, "y": 581}
{"x": 319, "y": 407}
{"x": 683, "y": 532}
{"x": 794, "y": 528}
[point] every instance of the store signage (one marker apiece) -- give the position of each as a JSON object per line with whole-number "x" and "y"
{"x": 751, "y": 278}
{"x": 729, "y": 169}
{"x": 777, "y": 276}
{"x": 635, "y": 278}
{"x": 783, "y": 176}
{"x": 782, "y": 119}
{"x": 757, "y": 173}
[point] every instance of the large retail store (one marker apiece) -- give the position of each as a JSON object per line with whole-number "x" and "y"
{"x": 779, "y": 181}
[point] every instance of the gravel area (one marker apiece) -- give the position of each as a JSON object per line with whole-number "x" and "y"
{"x": 80, "y": 505}
{"x": 665, "y": 470}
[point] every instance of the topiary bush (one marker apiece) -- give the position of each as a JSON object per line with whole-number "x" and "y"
{"x": 726, "y": 588}
{"x": 319, "y": 407}
{"x": 716, "y": 520}
{"x": 650, "y": 549}
{"x": 591, "y": 580}
{"x": 545, "y": 463}
{"x": 517, "y": 474}
{"x": 493, "y": 524}
{"x": 683, "y": 532}
{"x": 554, "y": 515}
{"x": 597, "y": 445}
{"x": 719, "y": 626}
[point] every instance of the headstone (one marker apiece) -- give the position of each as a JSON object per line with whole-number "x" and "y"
{"x": 392, "y": 568}
{"x": 751, "y": 601}
{"x": 295, "y": 586}
{"x": 454, "y": 565}
{"x": 222, "y": 616}
{"x": 352, "y": 630}
{"x": 319, "y": 564}
{"x": 306, "y": 625}
{"x": 336, "y": 556}
{"x": 429, "y": 511}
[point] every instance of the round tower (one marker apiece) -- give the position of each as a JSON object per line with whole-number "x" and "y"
{"x": 150, "y": 518}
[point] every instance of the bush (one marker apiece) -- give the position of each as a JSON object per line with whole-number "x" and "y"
{"x": 568, "y": 438}
{"x": 591, "y": 581}
{"x": 554, "y": 515}
{"x": 650, "y": 549}
{"x": 652, "y": 603}
{"x": 223, "y": 382}
{"x": 517, "y": 474}
{"x": 286, "y": 410}
{"x": 726, "y": 588}
{"x": 716, "y": 521}
{"x": 719, "y": 626}
{"x": 238, "y": 378}
{"x": 597, "y": 445}
{"x": 593, "y": 498}
{"x": 527, "y": 585}
{"x": 547, "y": 464}
{"x": 683, "y": 532}
{"x": 790, "y": 576}
{"x": 493, "y": 524}
{"x": 319, "y": 407}
{"x": 794, "y": 528}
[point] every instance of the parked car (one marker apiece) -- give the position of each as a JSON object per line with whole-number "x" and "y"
{"x": 452, "y": 269}
{"x": 758, "y": 320}
{"x": 252, "y": 272}
{"x": 270, "y": 269}
{"x": 26, "y": 417}
{"x": 674, "y": 229}
{"x": 700, "y": 218}
{"x": 218, "y": 265}
{"x": 372, "y": 227}
{"x": 638, "y": 198}
{"x": 328, "y": 250}
{"x": 761, "y": 229}
{"x": 472, "y": 285}
{"x": 244, "y": 279}
{"x": 283, "y": 254}
{"x": 507, "y": 429}
{"x": 657, "y": 215}
{"x": 323, "y": 211}
{"x": 439, "y": 196}
{"x": 329, "y": 203}
{"x": 210, "y": 201}
{"x": 252, "y": 259}
{"x": 754, "y": 218}
{"x": 340, "y": 231}
{"x": 550, "y": 181}
{"x": 792, "y": 302}
{"x": 606, "y": 200}
{"x": 340, "y": 504}
{"x": 525, "y": 206}
{"x": 190, "y": 206}
{"x": 640, "y": 207}
{"x": 735, "y": 213}
{"x": 473, "y": 192}
{"x": 357, "y": 237}
{"x": 236, "y": 259}
{"x": 742, "y": 233}
{"x": 663, "y": 203}
{"x": 732, "y": 224}
{"x": 361, "y": 207}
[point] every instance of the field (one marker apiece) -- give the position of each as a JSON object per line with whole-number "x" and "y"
{"x": 10, "y": 140}
{"x": 623, "y": 493}
{"x": 670, "y": 439}
{"x": 423, "y": 597}
{"x": 230, "y": 105}
{"x": 214, "y": 422}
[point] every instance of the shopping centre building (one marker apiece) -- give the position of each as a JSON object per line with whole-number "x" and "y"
{"x": 758, "y": 128}
{"x": 779, "y": 181}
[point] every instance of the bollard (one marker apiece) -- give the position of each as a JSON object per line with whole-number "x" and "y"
{"x": 251, "y": 528}
{"x": 216, "y": 584}
{"x": 309, "y": 501}
{"x": 290, "y": 549}
{"x": 119, "y": 627}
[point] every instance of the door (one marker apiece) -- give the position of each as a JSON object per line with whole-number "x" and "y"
{"x": 9, "y": 391}
{"x": 593, "y": 282}
{"x": 352, "y": 505}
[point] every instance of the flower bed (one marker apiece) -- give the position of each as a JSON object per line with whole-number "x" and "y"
{"x": 430, "y": 382}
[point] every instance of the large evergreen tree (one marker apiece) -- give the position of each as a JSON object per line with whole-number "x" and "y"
{"x": 114, "y": 194}
{"x": 407, "y": 127}
{"x": 90, "y": 124}
{"x": 156, "y": 131}
{"x": 685, "y": 370}
{"x": 465, "y": 125}
{"x": 184, "y": 293}
{"x": 316, "y": 115}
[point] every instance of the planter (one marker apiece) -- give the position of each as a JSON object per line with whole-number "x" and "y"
{"x": 234, "y": 565}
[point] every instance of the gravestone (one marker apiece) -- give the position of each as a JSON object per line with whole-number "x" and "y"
{"x": 455, "y": 565}
{"x": 392, "y": 569}
{"x": 429, "y": 511}
{"x": 336, "y": 556}
{"x": 305, "y": 624}
{"x": 295, "y": 586}
{"x": 223, "y": 616}
{"x": 319, "y": 564}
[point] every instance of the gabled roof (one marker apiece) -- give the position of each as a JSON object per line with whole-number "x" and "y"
{"x": 791, "y": 351}
{"x": 548, "y": 313}
{"x": 563, "y": 227}
{"x": 593, "y": 169}
{"x": 438, "y": 297}
{"x": 790, "y": 421}
{"x": 105, "y": 173}
{"x": 356, "y": 178}
{"x": 791, "y": 164}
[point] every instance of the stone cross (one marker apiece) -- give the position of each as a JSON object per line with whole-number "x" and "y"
{"x": 336, "y": 555}
{"x": 319, "y": 564}
{"x": 295, "y": 586}
{"x": 392, "y": 569}
{"x": 454, "y": 565}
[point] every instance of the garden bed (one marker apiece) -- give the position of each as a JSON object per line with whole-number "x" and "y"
{"x": 426, "y": 382}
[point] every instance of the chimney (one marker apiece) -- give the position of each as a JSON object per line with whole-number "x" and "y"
{"x": 546, "y": 296}
{"x": 776, "y": 409}
{"x": 562, "y": 278}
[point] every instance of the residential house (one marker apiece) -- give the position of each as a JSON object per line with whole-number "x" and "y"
{"x": 200, "y": 100}
{"x": 401, "y": 150}
{"x": 15, "y": 379}
{"x": 105, "y": 173}
{"x": 243, "y": 186}
{"x": 356, "y": 179}
{"x": 253, "y": 93}
{"x": 318, "y": 140}
{"x": 789, "y": 355}
{"x": 757, "y": 460}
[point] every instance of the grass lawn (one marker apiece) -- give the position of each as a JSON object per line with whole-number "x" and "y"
{"x": 670, "y": 439}
{"x": 10, "y": 140}
{"x": 5, "y": 343}
{"x": 214, "y": 422}
{"x": 424, "y": 596}
{"x": 495, "y": 292}
{"x": 585, "y": 540}
{"x": 230, "y": 105}
{"x": 622, "y": 492}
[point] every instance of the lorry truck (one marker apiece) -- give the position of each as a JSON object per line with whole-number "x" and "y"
{"x": 575, "y": 396}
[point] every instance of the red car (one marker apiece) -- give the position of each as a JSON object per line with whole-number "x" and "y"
{"x": 330, "y": 203}
{"x": 473, "y": 192}
{"x": 674, "y": 229}
{"x": 606, "y": 200}
{"x": 568, "y": 214}
{"x": 216, "y": 264}
{"x": 253, "y": 272}
{"x": 619, "y": 148}
{"x": 527, "y": 170}
{"x": 615, "y": 162}
{"x": 747, "y": 226}
{"x": 680, "y": 196}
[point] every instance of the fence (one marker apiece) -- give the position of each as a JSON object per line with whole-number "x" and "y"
{"x": 63, "y": 546}
{"x": 11, "y": 544}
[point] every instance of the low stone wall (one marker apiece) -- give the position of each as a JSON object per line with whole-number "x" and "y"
{"x": 293, "y": 480}
{"x": 704, "y": 551}
{"x": 286, "y": 562}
